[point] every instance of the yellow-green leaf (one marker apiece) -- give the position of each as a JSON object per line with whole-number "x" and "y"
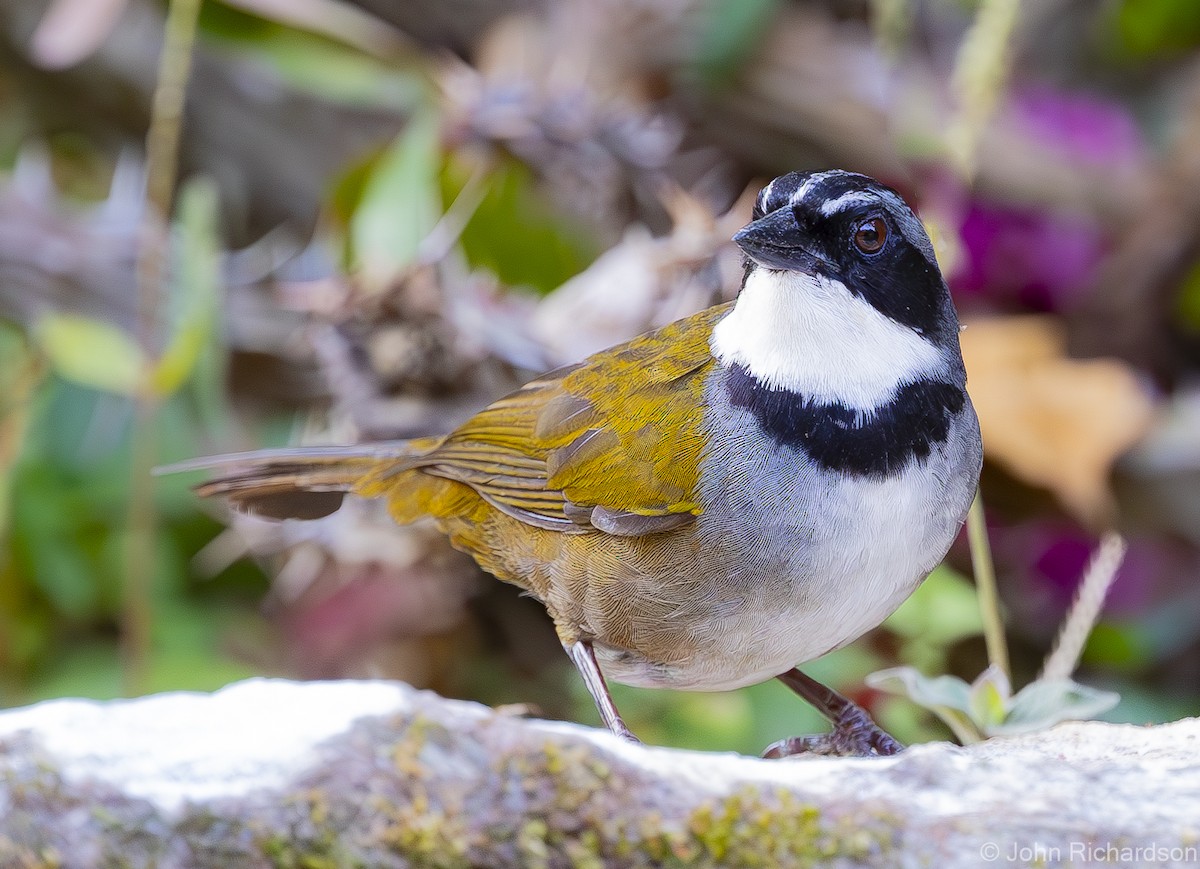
{"x": 91, "y": 352}
{"x": 195, "y": 289}
{"x": 179, "y": 359}
{"x": 989, "y": 698}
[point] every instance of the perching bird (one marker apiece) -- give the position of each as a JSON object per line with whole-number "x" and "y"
{"x": 708, "y": 505}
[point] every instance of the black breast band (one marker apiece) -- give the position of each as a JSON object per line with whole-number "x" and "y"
{"x": 867, "y": 442}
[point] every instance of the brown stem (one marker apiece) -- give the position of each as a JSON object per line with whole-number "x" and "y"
{"x": 162, "y": 154}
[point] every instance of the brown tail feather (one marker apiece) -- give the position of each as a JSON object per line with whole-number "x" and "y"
{"x": 296, "y": 482}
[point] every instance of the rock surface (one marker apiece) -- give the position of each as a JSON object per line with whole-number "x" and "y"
{"x": 282, "y": 774}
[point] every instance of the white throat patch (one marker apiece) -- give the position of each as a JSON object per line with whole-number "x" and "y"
{"x": 813, "y": 336}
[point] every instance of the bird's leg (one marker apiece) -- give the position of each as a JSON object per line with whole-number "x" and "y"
{"x": 584, "y": 658}
{"x": 854, "y": 733}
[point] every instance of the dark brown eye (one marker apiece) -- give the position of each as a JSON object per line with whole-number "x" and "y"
{"x": 871, "y": 235}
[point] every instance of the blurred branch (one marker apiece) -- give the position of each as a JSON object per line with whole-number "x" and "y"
{"x": 21, "y": 371}
{"x": 36, "y": 228}
{"x": 57, "y": 258}
{"x": 162, "y": 156}
{"x": 978, "y": 80}
{"x": 985, "y": 584}
{"x": 166, "y": 112}
{"x": 891, "y": 21}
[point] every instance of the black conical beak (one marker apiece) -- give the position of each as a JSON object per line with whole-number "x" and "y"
{"x": 777, "y": 242}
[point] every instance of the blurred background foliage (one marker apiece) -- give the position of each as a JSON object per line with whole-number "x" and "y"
{"x": 387, "y": 213}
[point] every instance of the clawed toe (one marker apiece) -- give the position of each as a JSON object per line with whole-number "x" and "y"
{"x": 853, "y": 735}
{"x": 816, "y": 744}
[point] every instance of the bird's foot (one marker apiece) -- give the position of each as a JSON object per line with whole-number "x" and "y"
{"x": 854, "y": 735}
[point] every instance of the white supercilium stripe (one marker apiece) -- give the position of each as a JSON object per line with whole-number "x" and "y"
{"x": 813, "y": 336}
{"x": 854, "y": 198}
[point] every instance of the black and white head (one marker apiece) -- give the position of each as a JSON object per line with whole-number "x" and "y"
{"x": 843, "y": 301}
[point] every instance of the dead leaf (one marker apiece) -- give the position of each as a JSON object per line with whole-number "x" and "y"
{"x": 1052, "y": 421}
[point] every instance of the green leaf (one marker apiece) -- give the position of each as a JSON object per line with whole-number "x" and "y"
{"x": 948, "y": 697}
{"x": 1187, "y": 303}
{"x": 517, "y": 234}
{"x": 1141, "y": 705}
{"x": 1043, "y": 703}
{"x": 1152, "y": 27}
{"x": 91, "y": 353}
{"x": 400, "y": 205}
{"x": 318, "y": 64}
{"x": 63, "y": 572}
{"x": 339, "y": 74}
{"x": 54, "y": 535}
{"x": 187, "y": 670}
{"x": 87, "y": 668}
{"x": 989, "y": 698}
{"x": 928, "y": 691}
{"x": 729, "y": 35}
{"x": 943, "y": 606}
{"x": 196, "y": 289}
{"x": 1125, "y": 646}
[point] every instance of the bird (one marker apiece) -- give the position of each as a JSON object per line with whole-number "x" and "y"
{"x": 711, "y": 504}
